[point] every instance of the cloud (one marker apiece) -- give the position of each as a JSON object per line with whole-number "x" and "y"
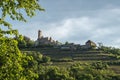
{"x": 102, "y": 26}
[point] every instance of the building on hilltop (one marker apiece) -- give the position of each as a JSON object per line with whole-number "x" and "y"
{"x": 40, "y": 36}
{"x": 89, "y": 45}
{"x": 48, "y": 41}
{"x": 41, "y": 40}
{"x": 71, "y": 46}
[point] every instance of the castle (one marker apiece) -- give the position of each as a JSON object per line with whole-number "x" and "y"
{"x": 41, "y": 40}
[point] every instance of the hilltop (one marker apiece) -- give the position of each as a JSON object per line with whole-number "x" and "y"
{"x": 70, "y": 53}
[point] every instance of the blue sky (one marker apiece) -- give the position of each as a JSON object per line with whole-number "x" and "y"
{"x": 76, "y": 21}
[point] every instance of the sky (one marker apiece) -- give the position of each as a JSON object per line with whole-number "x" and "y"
{"x": 76, "y": 21}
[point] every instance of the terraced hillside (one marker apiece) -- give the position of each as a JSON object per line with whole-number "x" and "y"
{"x": 66, "y": 58}
{"x": 57, "y": 54}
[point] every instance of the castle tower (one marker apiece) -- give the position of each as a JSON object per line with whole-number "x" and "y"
{"x": 50, "y": 39}
{"x": 40, "y": 34}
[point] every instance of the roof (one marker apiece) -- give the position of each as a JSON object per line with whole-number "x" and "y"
{"x": 91, "y": 42}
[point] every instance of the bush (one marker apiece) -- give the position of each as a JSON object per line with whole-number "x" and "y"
{"x": 114, "y": 63}
{"x": 99, "y": 65}
{"x": 85, "y": 77}
{"x": 46, "y": 59}
{"x": 116, "y": 77}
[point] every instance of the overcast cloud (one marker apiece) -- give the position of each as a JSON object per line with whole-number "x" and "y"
{"x": 103, "y": 28}
{"x": 76, "y": 21}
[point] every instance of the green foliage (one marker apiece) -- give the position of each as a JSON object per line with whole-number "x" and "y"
{"x": 13, "y": 64}
{"x": 114, "y": 52}
{"x": 11, "y": 68}
{"x": 44, "y": 46}
{"x": 30, "y": 44}
{"x": 15, "y": 9}
{"x": 22, "y": 43}
{"x": 116, "y": 77}
{"x": 99, "y": 77}
{"x": 25, "y": 42}
{"x": 76, "y": 70}
{"x": 114, "y": 63}
{"x": 85, "y": 77}
{"x": 38, "y": 57}
{"x": 30, "y": 66}
{"x": 111, "y": 50}
{"x": 46, "y": 59}
{"x": 99, "y": 65}
{"x": 54, "y": 73}
{"x": 66, "y": 43}
{"x": 91, "y": 72}
{"x": 17, "y": 66}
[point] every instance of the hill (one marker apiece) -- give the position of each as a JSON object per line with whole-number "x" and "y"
{"x": 64, "y": 58}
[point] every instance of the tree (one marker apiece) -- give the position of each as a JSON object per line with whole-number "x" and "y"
{"x": 66, "y": 43}
{"x": 46, "y": 59}
{"x": 54, "y": 73}
{"x": 25, "y": 42}
{"x": 99, "y": 65}
{"x": 10, "y": 57}
{"x": 11, "y": 67}
{"x": 15, "y": 9}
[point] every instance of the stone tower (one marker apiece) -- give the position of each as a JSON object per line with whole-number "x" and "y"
{"x": 39, "y": 34}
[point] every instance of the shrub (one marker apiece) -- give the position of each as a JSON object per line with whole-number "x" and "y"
{"x": 99, "y": 65}
{"x": 46, "y": 59}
